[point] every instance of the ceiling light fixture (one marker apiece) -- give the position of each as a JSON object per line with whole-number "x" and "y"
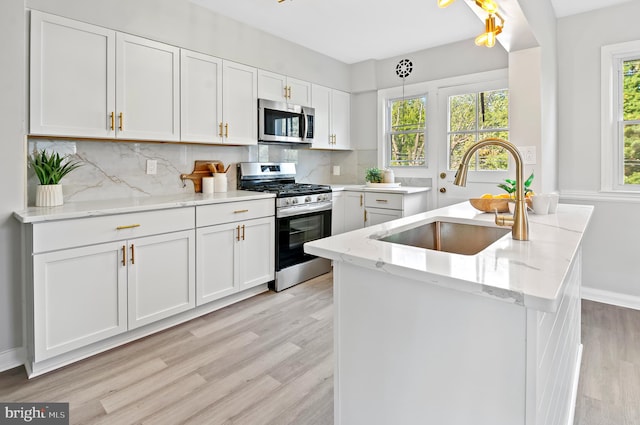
{"x": 487, "y": 38}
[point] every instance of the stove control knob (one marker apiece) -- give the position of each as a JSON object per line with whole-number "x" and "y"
{"x": 287, "y": 201}
{"x": 307, "y": 199}
{"x": 294, "y": 201}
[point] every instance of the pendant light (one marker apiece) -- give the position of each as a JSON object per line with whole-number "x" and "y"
{"x": 487, "y": 38}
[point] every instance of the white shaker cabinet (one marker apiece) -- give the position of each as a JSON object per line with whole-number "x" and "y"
{"x": 72, "y": 78}
{"x": 281, "y": 88}
{"x": 200, "y": 97}
{"x": 353, "y": 211}
{"x": 96, "y": 277}
{"x": 238, "y": 253}
{"x": 239, "y": 125}
{"x": 79, "y": 297}
{"x": 147, "y": 89}
{"x": 332, "y": 118}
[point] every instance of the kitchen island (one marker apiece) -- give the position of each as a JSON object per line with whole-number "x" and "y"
{"x": 431, "y": 337}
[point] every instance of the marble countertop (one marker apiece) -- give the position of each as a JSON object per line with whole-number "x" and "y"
{"x": 363, "y": 188}
{"x": 126, "y": 205}
{"x": 529, "y": 273}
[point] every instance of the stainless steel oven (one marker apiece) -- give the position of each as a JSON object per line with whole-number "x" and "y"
{"x": 303, "y": 214}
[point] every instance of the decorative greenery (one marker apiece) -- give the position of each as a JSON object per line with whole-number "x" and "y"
{"x": 51, "y": 168}
{"x": 374, "y": 175}
{"x": 510, "y": 186}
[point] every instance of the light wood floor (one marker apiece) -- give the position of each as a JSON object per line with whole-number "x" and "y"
{"x": 268, "y": 360}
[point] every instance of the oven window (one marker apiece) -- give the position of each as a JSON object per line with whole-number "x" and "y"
{"x": 293, "y": 232}
{"x": 282, "y": 123}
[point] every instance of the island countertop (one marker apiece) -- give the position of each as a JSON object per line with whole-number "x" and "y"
{"x": 528, "y": 273}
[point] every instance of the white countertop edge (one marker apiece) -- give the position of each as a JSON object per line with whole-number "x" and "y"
{"x": 72, "y": 210}
{"x": 364, "y": 188}
{"x": 531, "y": 274}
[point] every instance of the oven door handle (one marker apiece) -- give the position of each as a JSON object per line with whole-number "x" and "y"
{"x": 303, "y": 209}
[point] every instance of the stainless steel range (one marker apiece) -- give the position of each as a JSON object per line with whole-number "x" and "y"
{"x": 303, "y": 214}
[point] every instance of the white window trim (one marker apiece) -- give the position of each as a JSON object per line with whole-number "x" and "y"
{"x": 436, "y": 117}
{"x": 610, "y": 89}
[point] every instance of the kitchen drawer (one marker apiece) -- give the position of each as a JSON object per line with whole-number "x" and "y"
{"x": 383, "y": 200}
{"x": 210, "y": 215}
{"x": 54, "y": 235}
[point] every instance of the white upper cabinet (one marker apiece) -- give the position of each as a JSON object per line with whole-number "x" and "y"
{"x": 200, "y": 97}
{"x": 239, "y": 104}
{"x": 281, "y": 88}
{"x": 147, "y": 89}
{"x": 72, "y": 78}
{"x": 332, "y": 118}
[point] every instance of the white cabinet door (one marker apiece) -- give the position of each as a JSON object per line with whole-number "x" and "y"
{"x": 200, "y": 97}
{"x": 272, "y": 86}
{"x": 353, "y": 211}
{"x": 161, "y": 273}
{"x": 340, "y": 119}
{"x": 256, "y": 252}
{"x": 380, "y": 215}
{"x": 299, "y": 92}
{"x": 337, "y": 213}
{"x": 216, "y": 262}
{"x": 239, "y": 104}
{"x": 147, "y": 89}
{"x": 332, "y": 118}
{"x": 79, "y": 297}
{"x": 323, "y": 136}
{"x": 72, "y": 80}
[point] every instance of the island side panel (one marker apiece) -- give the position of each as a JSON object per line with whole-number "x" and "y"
{"x": 554, "y": 341}
{"x": 409, "y": 352}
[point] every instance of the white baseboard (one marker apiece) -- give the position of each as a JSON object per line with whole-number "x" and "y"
{"x": 12, "y": 358}
{"x": 609, "y": 297}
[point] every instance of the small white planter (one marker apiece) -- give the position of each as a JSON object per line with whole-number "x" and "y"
{"x": 49, "y": 195}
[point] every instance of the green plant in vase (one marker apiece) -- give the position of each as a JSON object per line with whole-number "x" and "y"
{"x": 50, "y": 168}
{"x": 374, "y": 175}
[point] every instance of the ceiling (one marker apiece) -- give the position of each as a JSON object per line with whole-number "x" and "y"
{"x": 355, "y": 30}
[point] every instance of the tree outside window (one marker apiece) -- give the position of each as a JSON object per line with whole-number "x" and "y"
{"x": 477, "y": 116}
{"x": 631, "y": 120}
{"x": 407, "y": 131}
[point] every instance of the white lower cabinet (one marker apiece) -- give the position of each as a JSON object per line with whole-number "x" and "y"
{"x": 79, "y": 297}
{"x": 353, "y": 211}
{"x": 237, "y": 255}
{"x": 161, "y": 276}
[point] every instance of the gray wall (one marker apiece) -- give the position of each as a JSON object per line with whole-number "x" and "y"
{"x": 612, "y": 269}
{"x": 12, "y": 169}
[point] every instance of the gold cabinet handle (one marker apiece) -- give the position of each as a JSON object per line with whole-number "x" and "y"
{"x": 128, "y": 226}
{"x": 238, "y": 234}
{"x": 226, "y": 130}
{"x": 243, "y": 232}
{"x": 285, "y": 92}
{"x": 365, "y": 215}
{"x": 382, "y": 200}
{"x": 121, "y": 125}
{"x": 124, "y": 256}
{"x": 113, "y": 120}
{"x": 220, "y": 129}
{"x": 240, "y": 211}
{"x": 361, "y": 198}
{"x": 133, "y": 254}
{"x": 289, "y": 92}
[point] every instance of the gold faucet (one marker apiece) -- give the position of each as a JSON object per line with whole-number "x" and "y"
{"x": 519, "y": 221}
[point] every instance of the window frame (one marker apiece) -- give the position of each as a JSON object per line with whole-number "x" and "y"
{"x": 612, "y": 117}
{"x": 389, "y": 131}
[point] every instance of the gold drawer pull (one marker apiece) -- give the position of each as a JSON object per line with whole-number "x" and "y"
{"x": 130, "y": 226}
{"x": 133, "y": 254}
{"x": 240, "y": 211}
{"x": 238, "y": 234}
{"x": 243, "y": 232}
{"x": 124, "y": 255}
{"x": 382, "y": 200}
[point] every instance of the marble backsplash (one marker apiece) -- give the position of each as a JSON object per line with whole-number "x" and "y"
{"x": 114, "y": 170}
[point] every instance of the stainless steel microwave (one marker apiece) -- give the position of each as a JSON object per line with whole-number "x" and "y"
{"x": 281, "y": 122}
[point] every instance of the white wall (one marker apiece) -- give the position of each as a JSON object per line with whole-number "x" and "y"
{"x": 611, "y": 267}
{"x": 12, "y": 172}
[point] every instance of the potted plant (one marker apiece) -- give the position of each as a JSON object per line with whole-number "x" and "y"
{"x": 50, "y": 168}
{"x": 374, "y": 175}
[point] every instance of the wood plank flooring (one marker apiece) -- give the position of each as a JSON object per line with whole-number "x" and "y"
{"x": 268, "y": 360}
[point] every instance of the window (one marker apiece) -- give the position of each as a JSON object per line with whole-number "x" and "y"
{"x": 621, "y": 117}
{"x": 473, "y": 117}
{"x": 406, "y": 137}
